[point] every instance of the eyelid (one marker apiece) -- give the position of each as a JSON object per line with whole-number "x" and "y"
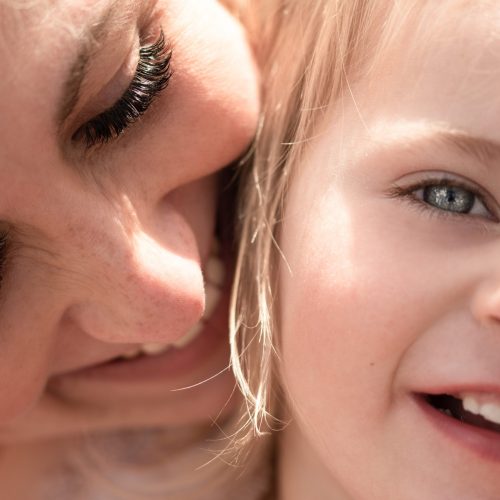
{"x": 111, "y": 91}
{"x": 447, "y": 179}
{"x": 95, "y": 69}
{"x": 151, "y": 75}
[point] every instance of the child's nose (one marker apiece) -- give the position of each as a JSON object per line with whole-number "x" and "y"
{"x": 145, "y": 292}
{"x": 486, "y": 302}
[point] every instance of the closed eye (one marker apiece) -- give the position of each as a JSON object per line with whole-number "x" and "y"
{"x": 152, "y": 75}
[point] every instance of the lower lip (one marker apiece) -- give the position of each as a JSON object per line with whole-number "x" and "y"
{"x": 171, "y": 365}
{"x": 483, "y": 443}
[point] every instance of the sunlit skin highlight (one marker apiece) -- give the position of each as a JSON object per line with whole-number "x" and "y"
{"x": 109, "y": 244}
{"x": 385, "y": 297}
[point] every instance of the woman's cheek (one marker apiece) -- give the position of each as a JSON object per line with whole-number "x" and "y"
{"x": 21, "y": 384}
{"x": 26, "y": 340}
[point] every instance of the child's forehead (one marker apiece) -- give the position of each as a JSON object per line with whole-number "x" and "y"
{"x": 438, "y": 68}
{"x": 441, "y": 61}
{"x": 469, "y": 31}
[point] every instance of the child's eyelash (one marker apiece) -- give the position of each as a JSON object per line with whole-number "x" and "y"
{"x": 152, "y": 75}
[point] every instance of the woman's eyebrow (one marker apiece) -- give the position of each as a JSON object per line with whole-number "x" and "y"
{"x": 89, "y": 44}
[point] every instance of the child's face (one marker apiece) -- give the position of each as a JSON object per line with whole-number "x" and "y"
{"x": 392, "y": 234}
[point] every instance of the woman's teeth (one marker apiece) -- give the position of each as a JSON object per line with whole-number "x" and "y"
{"x": 155, "y": 349}
{"x": 147, "y": 350}
{"x": 189, "y": 337}
{"x": 212, "y": 298}
{"x": 485, "y": 405}
{"x": 215, "y": 274}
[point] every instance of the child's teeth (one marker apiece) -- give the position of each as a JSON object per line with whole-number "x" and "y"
{"x": 491, "y": 412}
{"x": 486, "y": 405}
{"x": 189, "y": 337}
{"x": 470, "y": 404}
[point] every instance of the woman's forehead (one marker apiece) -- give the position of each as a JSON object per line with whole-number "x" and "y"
{"x": 48, "y": 18}
{"x": 44, "y": 34}
{"x": 38, "y": 51}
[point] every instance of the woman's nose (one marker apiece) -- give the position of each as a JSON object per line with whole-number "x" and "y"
{"x": 142, "y": 291}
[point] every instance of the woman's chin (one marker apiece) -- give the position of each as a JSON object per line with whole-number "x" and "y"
{"x": 184, "y": 385}
{"x": 54, "y": 417}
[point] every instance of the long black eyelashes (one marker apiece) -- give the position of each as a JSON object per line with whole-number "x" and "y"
{"x": 152, "y": 75}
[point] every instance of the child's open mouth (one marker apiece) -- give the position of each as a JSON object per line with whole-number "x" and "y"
{"x": 478, "y": 410}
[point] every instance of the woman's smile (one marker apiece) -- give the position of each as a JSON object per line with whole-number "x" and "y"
{"x": 112, "y": 132}
{"x": 168, "y": 365}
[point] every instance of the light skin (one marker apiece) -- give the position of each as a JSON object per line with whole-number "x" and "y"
{"x": 108, "y": 244}
{"x": 390, "y": 297}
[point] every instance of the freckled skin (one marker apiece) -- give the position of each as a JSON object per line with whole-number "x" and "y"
{"x": 105, "y": 261}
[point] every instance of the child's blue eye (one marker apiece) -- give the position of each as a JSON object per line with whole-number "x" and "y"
{"x": 449, "y": 198}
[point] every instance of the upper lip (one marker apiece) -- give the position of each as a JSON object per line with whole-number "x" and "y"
{"x": 120, "y": 351}
{"x": 99, "y": 360}
{"x": 458, "y": 388}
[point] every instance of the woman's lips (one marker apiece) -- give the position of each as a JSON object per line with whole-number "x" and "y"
{"x": 173, "y": 362}
{"x": 158, "y": 361}
{"x": 447, "y": 414}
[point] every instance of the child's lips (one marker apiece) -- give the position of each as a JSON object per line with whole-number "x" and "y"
{"x": 447, "y": 410}
{"x": 485, "y": 414}
{"x": 479, "y": 399}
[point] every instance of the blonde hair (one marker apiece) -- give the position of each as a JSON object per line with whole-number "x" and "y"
{"x": 314, "y": 51}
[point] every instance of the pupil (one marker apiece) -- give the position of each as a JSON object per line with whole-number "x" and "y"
{"x": 449, "y": 198}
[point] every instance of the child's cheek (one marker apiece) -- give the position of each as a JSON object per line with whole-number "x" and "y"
{"x": 348, "y": 312}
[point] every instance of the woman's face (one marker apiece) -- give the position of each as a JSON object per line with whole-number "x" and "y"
{"x": 391, "y": 309}
{"x": 106, "y": 237}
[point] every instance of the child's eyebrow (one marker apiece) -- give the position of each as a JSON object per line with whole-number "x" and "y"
{"x": 484, "y": 150}
{"x": 415, "y": 136}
